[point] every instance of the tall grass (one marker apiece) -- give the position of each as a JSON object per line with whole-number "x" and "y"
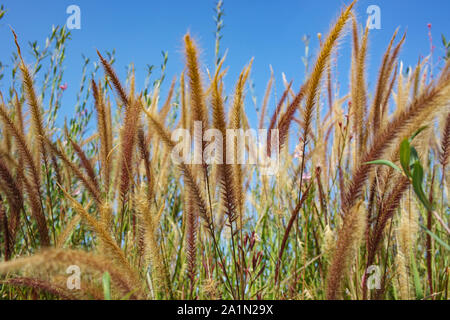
{"x": 113, "y": 203}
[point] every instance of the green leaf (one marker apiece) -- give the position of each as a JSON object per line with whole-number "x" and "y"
{"x": 435, "y": 237}
{"x": 385, "y": 163}
{"x": 417, "y": 180}
{"x": 415, "y": 134}
{"x": 405, "y": 156}
{"x": 107, "y": 286}
{"x": 414, "y": 157}
{"x": 417, "y": 285}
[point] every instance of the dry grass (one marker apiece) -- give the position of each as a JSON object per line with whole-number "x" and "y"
{"x": 113, "y": 201}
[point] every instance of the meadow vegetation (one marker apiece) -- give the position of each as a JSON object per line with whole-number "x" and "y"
{"x": 359, "y": 210}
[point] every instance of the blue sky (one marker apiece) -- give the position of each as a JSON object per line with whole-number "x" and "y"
{"x": 269, "y": 31}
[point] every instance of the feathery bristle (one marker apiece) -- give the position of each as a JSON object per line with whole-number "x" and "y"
{"x": 359, "y": 95}
{"x": 103, "y": 132}
{"x": 348, "y": 240}
{"x": 86, "y": 181}
{"x": 14, "y": 197}
{"x": 198, "y": 105}
{"x": 57, "y": 258}
{"x": 225, "y": 169}
{"x": 128, "y": 142}
{"x": 85, "y": 163}
{"x": 35, "y": 108}
{"x": 40, "y": 285}
{"x": 445, "y": 144}
{"x": 266, "y": 100}
{"x": 198, "y": 197}
{"x": 115, "y": 80}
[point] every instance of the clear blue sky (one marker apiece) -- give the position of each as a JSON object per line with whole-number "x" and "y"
{"x": 269, "y": 31}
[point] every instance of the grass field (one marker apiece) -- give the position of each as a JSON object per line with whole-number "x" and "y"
{"x": 357, "y": 208}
